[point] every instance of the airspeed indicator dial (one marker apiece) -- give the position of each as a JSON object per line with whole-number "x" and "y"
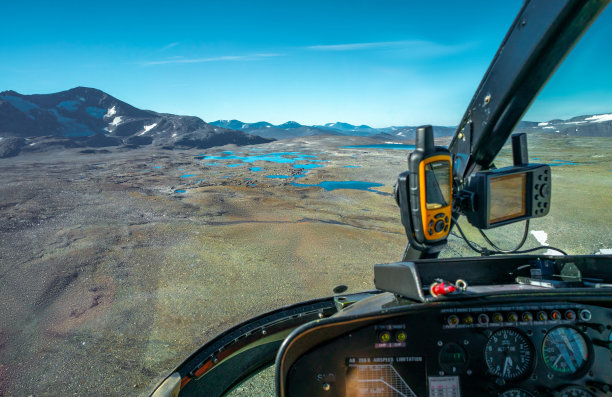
{"x": 508, "y": 354}
{"x": 565, "y": 350}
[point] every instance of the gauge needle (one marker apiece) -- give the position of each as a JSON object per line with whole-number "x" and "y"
{"x": 507, "y": 365}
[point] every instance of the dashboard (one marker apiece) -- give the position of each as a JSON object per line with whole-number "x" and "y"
{"x": 520, "y": 347}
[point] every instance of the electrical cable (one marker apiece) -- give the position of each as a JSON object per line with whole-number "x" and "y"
{"x": 541, "y": 247}
{"x": 518, "y": 247}
{"x": 487, "y": 252}
{"x": 481, "y": 251}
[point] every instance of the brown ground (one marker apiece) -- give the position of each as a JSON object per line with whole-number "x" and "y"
{"x": 108, "y": 279}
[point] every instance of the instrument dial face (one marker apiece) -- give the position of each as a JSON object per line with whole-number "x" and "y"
{"x": 508, "y": 354}
{"x": 575, "y": 391}
{"x": 565, "y": 351}
{"x": 516, "y": 393}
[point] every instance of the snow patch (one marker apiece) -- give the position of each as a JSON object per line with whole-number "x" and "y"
{"x": 175, "y": 134}
{"x": 549, "y": 128}
{"x": 147, "y": 128}
{"x": 542, "y": 124}
{"x": 542, "y": 236}
{"x": 604, "y": 251}
{"x": 111, "y": 112}
{"x": 116, "y": 121}
{"x": 598, "y": 118}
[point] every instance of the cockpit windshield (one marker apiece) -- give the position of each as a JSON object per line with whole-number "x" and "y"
{"x": 171, "y": 170}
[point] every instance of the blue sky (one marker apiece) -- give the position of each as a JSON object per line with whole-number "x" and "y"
{"x": 379, "y": 63}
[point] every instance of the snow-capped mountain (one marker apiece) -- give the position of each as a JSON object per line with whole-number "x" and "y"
{"x": 346, "y": 127}
{"x": 292, "y": 129}
{"x": 88, "y": 117}
{"x": 588, "y": 125}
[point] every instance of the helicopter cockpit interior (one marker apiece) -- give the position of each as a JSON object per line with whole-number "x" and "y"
{"x": 508, "y": 323}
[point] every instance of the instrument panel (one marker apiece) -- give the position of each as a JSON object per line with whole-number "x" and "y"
{"x": 550, "y": 348}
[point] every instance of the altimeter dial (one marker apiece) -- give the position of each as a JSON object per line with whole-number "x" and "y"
{"x": 508, "y": 354}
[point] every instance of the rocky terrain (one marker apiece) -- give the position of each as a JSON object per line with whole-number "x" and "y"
{"x": 114, "y": 266}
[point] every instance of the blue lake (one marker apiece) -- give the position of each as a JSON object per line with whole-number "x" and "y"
{"x": 278, "y": 176}
{"x": 333, "y": 185}
{"x": 279, "y": 157}
{"x": 562, "y": 162}
{"x": 352, "y": 166}
{"x": 187, "y": 176}
{"x": 256, "y": 169}
{"x": 381, "y": 146}
{"x": 559, "y": 164}
{"x": 157, "y": 167}
{"x": 307, "y": 166}
{"x": 180, "y": 191}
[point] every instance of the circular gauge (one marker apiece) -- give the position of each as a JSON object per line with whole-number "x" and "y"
{"x": 516, "y": 393}
{"x": 565, "y": 351}
{"x": 575, "y": 391}
{"x": 508, "y": 354}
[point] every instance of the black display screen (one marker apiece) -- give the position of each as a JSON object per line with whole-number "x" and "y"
{"x": 507, "y": 197}
{"x": 437, "y": 184}
{"x": 386, "y": 376}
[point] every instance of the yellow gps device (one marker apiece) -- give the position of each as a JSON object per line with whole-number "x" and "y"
{"x": 424, "y": 194}
{"x": 435, "y": 192}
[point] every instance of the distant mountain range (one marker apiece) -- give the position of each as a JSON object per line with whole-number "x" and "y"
{"x": 589, "y": 125}
{"x": 87, "y": 117}
{"x": 292, "y": 129}
{"x": 598, "y": 125}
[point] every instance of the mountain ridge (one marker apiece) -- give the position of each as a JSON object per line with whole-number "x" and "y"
{"x": 84, "y": 117}
{"x": 88, "y": 117}
{"x": 595, "y": 125}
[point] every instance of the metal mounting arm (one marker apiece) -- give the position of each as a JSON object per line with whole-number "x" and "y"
{"x": 540, "y": 37}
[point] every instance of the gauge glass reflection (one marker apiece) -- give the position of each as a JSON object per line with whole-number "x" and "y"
{"x": 516, "y": 393}
{"x": 575, "y": 391}
{"x": 565, "y": 351}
